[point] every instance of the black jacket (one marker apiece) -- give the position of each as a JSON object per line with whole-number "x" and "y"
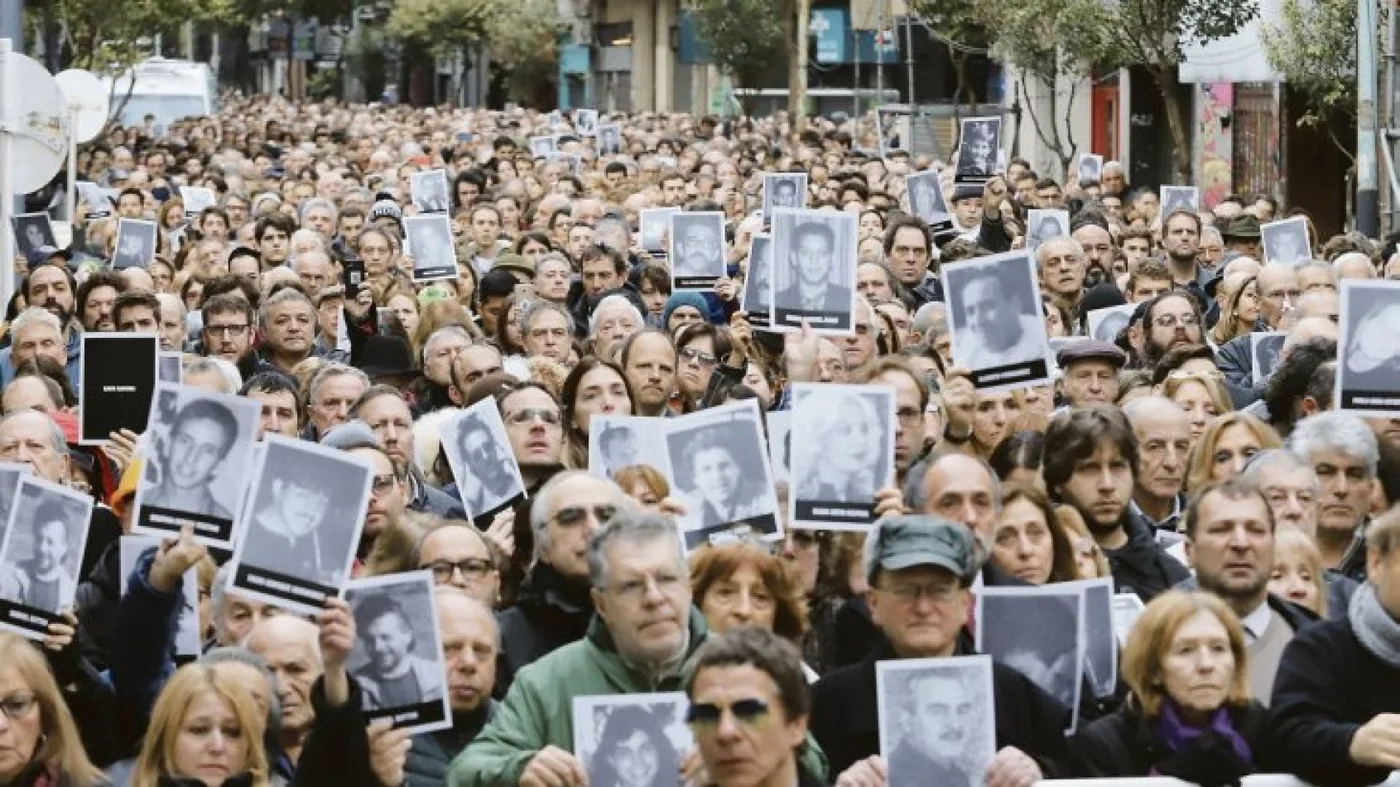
{"x": 1235, "y": 359}
{"x": 95, "y": 604}
{"x": 1125, "y": 744}
{"x": 549, "y": 613}
{"x": 1328, "y": 685}
{"x": 337, "y": 752}
{"x": 845, "y": 715}
{"x": 432, "y": 752}
{"x": 1141, "y": 566}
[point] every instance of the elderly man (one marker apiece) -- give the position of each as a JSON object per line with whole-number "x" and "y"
{"x": 1089, "y": 372}
{"x": 919, "y": 569}
{"x": 32, "y": 392}
{"x": 1163, "y": 433}
{"x": 1230, "y": 543}
{"x": 642, "y": 639}
{"x": 749, "y": 709}
{"x": 1062, "y": 268}
{"x": 332, "y": 395}
{"x": 1335, "y": 694}
{"x": 439, "y": 351}
{"x": 288, "y": 321}
{"x": 552, "y": 607}
{"x": 1344, "y": 453}
{"x": 36, "y": 332}
{"x": 545, "y": 329}
{"x": 289, "y": 646}
{"x": 615, "y": 319}
{"x": 460, "y": 557}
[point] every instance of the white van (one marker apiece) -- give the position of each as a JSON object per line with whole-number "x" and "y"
{"x": 168, "y": 89}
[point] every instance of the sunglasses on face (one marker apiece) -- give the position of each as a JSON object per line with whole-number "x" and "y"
{"x": 708, "y": 714}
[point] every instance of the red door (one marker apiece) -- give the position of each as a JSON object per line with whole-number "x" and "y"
{"x": 1105, "y": 119}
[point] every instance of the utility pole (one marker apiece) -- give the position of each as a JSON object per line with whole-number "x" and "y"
{"x": 797, "y": 69}
{"x": 1367, "y": 191}
{"x": 909, "y": 51}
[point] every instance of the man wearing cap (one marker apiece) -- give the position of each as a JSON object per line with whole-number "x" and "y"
{"x": 1242, "y": 235}
{"x": 919, "y": 568}
{"x": 1089, "y": 372}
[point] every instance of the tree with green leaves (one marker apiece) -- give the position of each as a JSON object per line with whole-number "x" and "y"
{"x": 442, "y": 27}
{"x": 524, "y": 40}
{"x": 961, "y": 26}
{"x": 746, "y": 39}
{"x": 1313, "y": 46}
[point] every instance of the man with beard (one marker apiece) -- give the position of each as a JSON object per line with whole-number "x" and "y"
{"x": 489, "y": 466}
{"x": 385, "y": 411}
{"x": 1181, "y": 239}
{"x": 191, "y": 457}
{"x": 812, "y": 257}
{"x": 1091, "y": 233}
{"x": 394, "y": 676}
{"x": 228, "y": 330}
{"x": 1230, "y": 544}
{"x": 97, "y": 296}
{"x": 1169, "y": 320}
{"x": 1090, "y": 456}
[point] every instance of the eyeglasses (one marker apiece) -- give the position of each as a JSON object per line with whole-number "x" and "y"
{"x": 1172, "y": 320}
{"x": 217, "y": 331}
{"x": 910, "y": 594}
{"x": 471, "y": 568}
{"x": 708, "y": 714}
{"x": 546, "y": 417}
{"x": 569, "y": 516}
{"x": 634, "y": 590}
{"x": 382, "y": 484}
{"x": 18, "y": 706}
{"x": 703, "y": 358}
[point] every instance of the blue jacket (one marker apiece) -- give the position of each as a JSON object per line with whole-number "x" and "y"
{"x": 75, "y": 353}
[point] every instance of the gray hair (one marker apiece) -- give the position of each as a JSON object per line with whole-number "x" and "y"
{"x": 914, "y": 494}
{"x": 170, "y": 299}
{"x": 313, "y": 392}
{"x": 236, "y": 655}
{"x": 1319, "y": 265}
{"x": 1281, "y": 459}
{"x": 280, "y": 297}
{"x": 1337, "y": 431}
{"x": 633, "y": 529}
{"x": 544, "y": 499}
{"x": 36, "y": 315}
{"x": 318, "y": 202}
{"x": 56, "y": 438}
{"x": 1074, "y": 245}
{"x": 535, "y": 308}
{"x": 232, "y": 379}
{"x": 1208, "y": 231}
{"x": 609, "y": 302}
{"x": 444, "y": 332}
{"x": 929, "y": 314}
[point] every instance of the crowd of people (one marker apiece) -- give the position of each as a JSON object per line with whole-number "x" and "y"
{"x": 1251, "y": 516}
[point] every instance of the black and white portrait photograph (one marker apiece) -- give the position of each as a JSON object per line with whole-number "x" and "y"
{"x": 979, "y": 146}
{"x": 10, "y": 474}
{"x": 994, "y": 311}
{"x": 619, "y": 441}
{"x": 836, "y": 489}
{"x": 697, "y": 250}
{"x": 631, "y": 740}
{"x": 780, "y": 445}
{"x": 1039, "y": 632}
{"x": 118, "y": 383}
{"x": 1105, "y": 324}
{"x": 430, "y": 191}
{"x": 302, "y": 525}
{"x": 1043, "y": 224}
{"x": 543, "y": 147}
{"x": 170, "y": 367}
{"x": 926, "y": 199}
{"x": 1090, "y": 168}
{"x": 609, "y": 139}
{"x": 478, "y": 451}
{"x": 99, "y": 200}
{"x": 1368, "y": 356}
{"x": 1100, "y": 647}
{"x": 814, "y": 270}
{"x": 1266, "y": 353}
{"x": 1179, "y": 198}
{"x": 717, "y": 462}
{"x": 1287, "y": 241}
{"x": 196, "y": 199}
{"x": 784, "y": 190}
{"x": 397, "y": 656}
{"x": 756, "y": 300}
{"x": 1127, "y": 608}
{"x": 654, "y": 226}
{"x": 586, "y": 122}
{"x": 136, "y": 244}
{"x": 188, "y": 642}
{"x": 937, "y": 721}
{"x": 32, "y": 231}
{"x": 434, "y": 257}
{"x": 41, "y": 555}
{"x": 197, "y": 455}
{"x": 894, "y": 129}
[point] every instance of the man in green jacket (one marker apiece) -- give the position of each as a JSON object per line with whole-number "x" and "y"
{"x": 642, "y": 640}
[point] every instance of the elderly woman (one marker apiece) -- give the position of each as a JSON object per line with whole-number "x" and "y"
{"x": 39, "y": 741}
{"x": 205, "y": 730}
{"x": 1189, "y": 714}
{"x": 1227, "y": 444}
{"x": 742, "y": 585}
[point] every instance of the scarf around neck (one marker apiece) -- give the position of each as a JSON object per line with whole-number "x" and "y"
{"x": 1374, "y": 627}
{"x": 1177, "y": 733}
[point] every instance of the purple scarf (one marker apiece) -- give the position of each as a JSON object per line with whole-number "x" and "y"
{"x": 1177, "y": 733}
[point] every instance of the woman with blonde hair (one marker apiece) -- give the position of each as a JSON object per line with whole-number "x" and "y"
{"x": 1297, "y": 573}
{"x": 42, "y": 746}
{"x": 1227, "y": 444}
{"x": 1088, "y": 558}
{"x": 1203, "y": 396}
{"x": 1239, "y": 312}
{"x": 205, "y": 729}
{"x": 1189, "y": 713}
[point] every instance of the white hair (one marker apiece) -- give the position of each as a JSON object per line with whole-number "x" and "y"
{"x": 619, "y": 301}
{"x": 36, "y": 315}
{"x": 232, "y": 379}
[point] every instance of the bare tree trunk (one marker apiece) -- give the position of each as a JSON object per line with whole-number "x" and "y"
{"x": 1181, "y": 150}
{"x": 797, "y": 62}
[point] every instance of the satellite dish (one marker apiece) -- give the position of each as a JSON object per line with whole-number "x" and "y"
{"x": 87, "y": 100}
{"x": 40, "y": 131}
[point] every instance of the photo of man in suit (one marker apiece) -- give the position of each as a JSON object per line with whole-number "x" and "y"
{"x": 813, "y": 259}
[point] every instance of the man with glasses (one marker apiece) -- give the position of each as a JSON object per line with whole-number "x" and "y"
{"x": 749, "y": 709}
{"x": 228, "y": 329}
{"x": 1170, "y": 320}
{"x": 385, "y": 411}
{"x": 552, "y": 607}
{"x": 388, "y": 498}
{"x": 920, "y": 568}
{"x": 460, "y": 557}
